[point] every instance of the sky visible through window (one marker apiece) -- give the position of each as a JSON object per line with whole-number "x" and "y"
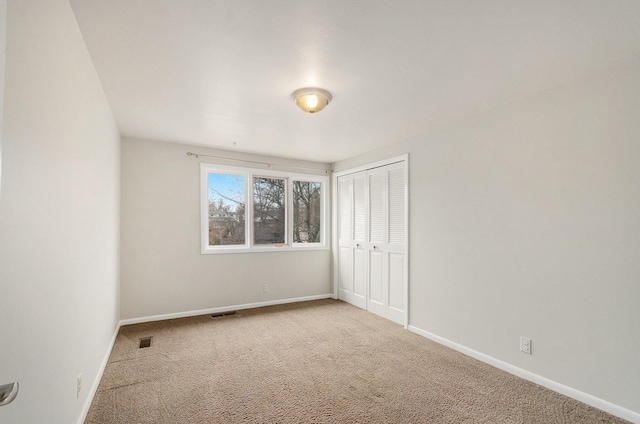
{"x": 227, "y": 186}
{"x": 227, "y": 197}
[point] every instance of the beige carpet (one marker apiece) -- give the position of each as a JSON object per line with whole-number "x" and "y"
{"x": 314, "y": 362}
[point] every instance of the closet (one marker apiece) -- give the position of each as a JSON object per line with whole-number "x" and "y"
{"x": 372, "y": 231}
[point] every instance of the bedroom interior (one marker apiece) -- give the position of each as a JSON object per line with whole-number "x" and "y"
{"x": 515, "y": 205}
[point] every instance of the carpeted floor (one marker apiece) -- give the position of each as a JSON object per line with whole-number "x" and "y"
{"x": 313, "y": 362}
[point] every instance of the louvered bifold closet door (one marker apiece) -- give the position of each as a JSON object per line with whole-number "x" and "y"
{"x": 387, "y": 242}
{"x": 377, "y": 245}
{"x": 397, "y": 245}
{"x": 360, "y": 238}
{"x": 372, "y": 240}
{"x": 351, "y": 239}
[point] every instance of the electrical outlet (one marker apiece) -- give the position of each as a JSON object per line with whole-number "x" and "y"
{"x": 78, "y": 385}
{"x": 265, "y": 288}
{"x": 525, "y": 345}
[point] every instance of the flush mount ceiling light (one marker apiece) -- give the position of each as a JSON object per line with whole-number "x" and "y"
{"x": 311, "y": 99}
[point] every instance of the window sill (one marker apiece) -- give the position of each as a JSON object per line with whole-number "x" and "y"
{"x": 261, "y": 249}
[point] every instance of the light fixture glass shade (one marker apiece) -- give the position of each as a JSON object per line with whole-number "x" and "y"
{"x": 311, "y": 99}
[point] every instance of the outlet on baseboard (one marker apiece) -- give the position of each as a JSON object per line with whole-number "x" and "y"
{"x": 525, "y": 345}
{"x": 265, "y": 288}
{"x": 78, "y": 385}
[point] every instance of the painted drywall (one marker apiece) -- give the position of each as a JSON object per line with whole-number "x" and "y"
{"x": 163, "y": 271}
{"x": 3, "y": 39}
{"x": 59, "y": 220}
{"x": 525, "y": 221}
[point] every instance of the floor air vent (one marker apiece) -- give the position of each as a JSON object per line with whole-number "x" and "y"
{"x": 224, "y": 314}
{"x": 145, "y": 342}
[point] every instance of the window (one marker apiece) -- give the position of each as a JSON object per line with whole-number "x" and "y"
{"x": 225, "y": 207}
{"x": 306, "y": 211}
{"x": 269, "y": 210}
{"x": 247, "y": 210}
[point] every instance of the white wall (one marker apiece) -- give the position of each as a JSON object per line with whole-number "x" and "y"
{"x": 526, "y": 221}
{"x": 59, "y": 221}
{"x": 163, "y": 271}
{"x": 3, "y": 39}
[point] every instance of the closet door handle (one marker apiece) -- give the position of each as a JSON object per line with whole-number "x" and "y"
{"x": 8, "y": 393}
{"x": 357, "y": 246}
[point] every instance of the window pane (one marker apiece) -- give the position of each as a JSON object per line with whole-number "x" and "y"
{"x": 269, "y": 210}
{"x": 306, "y": 212}
{"x": 227, "y": 194}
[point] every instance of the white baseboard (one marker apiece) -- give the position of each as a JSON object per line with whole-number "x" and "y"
{"x": 96, "y": 382}
{"x": 221, "y": 309}
{"x": 604, "y": 405}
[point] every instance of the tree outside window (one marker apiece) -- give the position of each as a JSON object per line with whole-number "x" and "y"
{"x": 306, "y": 211}
{"x": 269, "y": 210}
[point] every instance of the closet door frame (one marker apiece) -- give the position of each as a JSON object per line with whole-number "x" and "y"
{"x": 335, "y": 222}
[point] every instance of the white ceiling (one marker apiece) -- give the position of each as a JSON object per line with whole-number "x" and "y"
{"x": 220, "y": 72}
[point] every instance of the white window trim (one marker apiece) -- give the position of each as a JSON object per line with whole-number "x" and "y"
{"x": 249, "y": 246}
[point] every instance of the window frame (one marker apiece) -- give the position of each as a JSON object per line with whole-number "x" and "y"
{"x": 249, "y": 245}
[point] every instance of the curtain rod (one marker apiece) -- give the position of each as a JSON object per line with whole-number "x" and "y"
{"x": 197, "y": 155}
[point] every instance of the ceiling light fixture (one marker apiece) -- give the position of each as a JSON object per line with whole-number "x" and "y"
{"x": 311, "y": 99}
